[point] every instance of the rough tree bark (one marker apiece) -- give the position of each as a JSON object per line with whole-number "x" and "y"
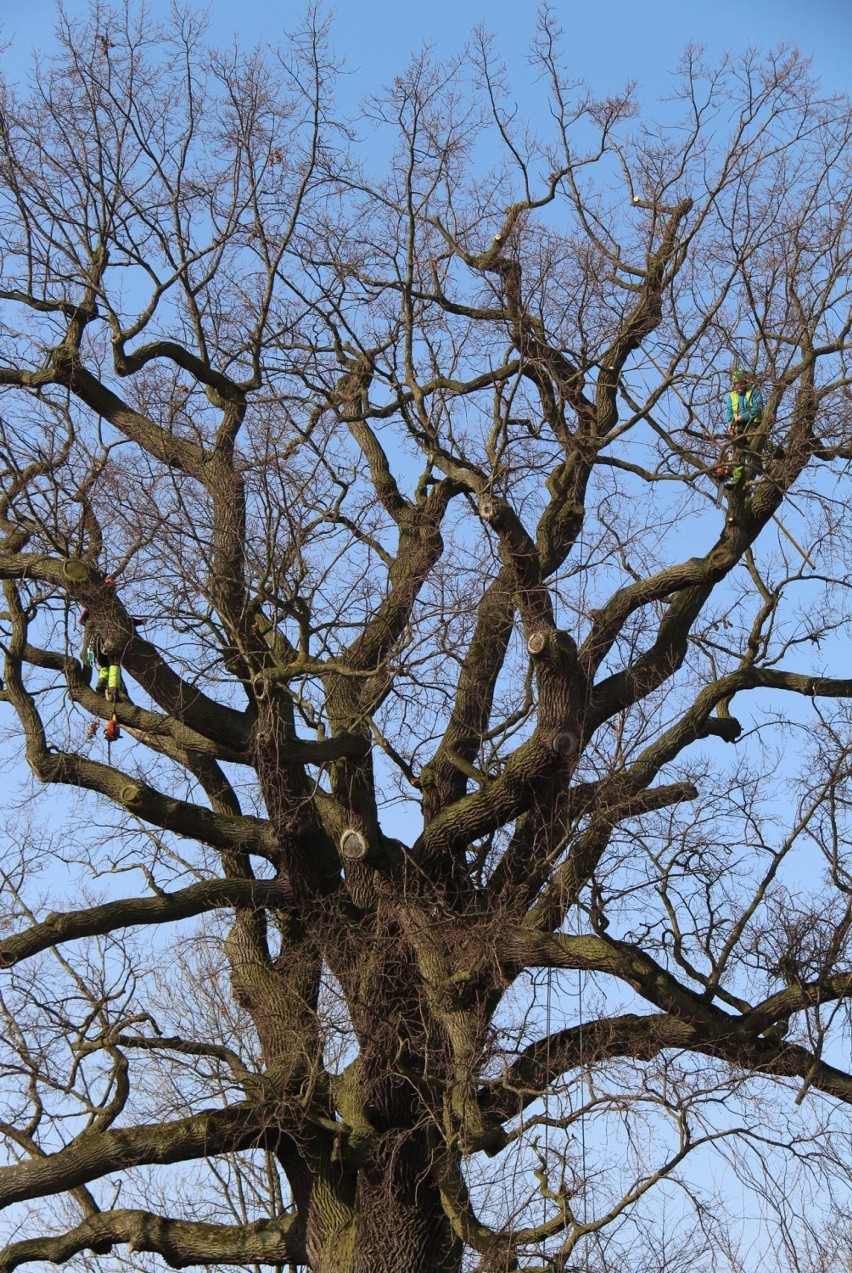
{"x": 410, "y": 476}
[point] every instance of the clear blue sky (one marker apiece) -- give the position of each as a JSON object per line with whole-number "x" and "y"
{"x": 607, "y": 43}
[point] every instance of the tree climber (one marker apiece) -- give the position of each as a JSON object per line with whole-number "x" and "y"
{"x": 743, "y": 408}
{"x": 93, "y": 654}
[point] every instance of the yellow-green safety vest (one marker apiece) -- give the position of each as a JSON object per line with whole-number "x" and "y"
{"x": 747, "y": 399}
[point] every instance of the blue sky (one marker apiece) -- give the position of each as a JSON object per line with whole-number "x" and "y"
{"x": 625, "y": 39}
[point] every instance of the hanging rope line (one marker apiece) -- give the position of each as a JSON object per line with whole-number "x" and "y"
{"x": 581, "y": 1023}
{"x": 547, "y": 1017}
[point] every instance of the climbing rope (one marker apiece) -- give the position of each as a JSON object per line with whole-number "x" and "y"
{"x": 581, "y": 1020}
{"x": 581, "y": 1023}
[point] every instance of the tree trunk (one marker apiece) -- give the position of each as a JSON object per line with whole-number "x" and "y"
{"x": 401, "y": 1225}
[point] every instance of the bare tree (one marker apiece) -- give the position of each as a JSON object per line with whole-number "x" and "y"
{"x": 433, "y": 909}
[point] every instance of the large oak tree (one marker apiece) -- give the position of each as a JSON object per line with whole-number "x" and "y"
{"x": 450, "y": 890}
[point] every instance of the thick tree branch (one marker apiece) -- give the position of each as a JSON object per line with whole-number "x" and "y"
{"x": 180, "y": 1243}
{"x": 164, "y": 908}
{"x": 92, "y": 1155}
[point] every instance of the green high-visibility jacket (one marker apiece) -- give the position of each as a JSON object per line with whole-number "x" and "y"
{"x": 748, "y": 404}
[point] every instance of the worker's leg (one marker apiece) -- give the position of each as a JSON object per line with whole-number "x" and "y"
{"x": 113, "y": 682}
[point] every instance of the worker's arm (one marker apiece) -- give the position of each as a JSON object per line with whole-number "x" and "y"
{"x": 755, "y": 405}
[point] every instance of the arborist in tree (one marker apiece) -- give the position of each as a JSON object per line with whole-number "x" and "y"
{"x": 94, "y": 654}
{"x": 743, "y": 414}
